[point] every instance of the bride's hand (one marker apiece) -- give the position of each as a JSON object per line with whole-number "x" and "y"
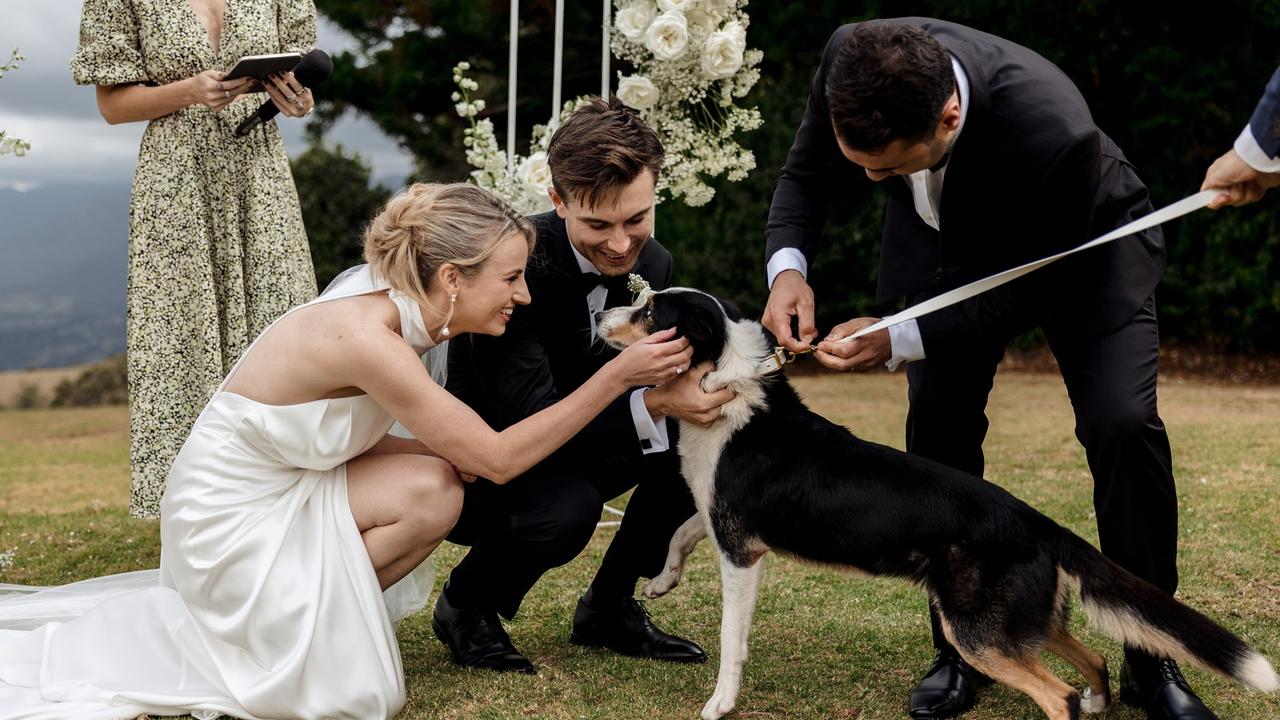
{"x": 654, "y": 359}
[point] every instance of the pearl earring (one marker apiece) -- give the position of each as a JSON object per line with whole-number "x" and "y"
{"x": 453, "y": 300}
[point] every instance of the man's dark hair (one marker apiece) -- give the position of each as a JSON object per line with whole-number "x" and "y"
{"x": 600, "y": 148}
{"x": 888, "y": 82}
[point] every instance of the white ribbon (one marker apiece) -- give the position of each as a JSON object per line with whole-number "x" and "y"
{"x": 964, "y": 292}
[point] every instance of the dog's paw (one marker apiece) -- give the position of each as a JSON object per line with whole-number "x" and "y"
{"x": 717, "y": 707}
{"x": 662, "y": 584}
{"x": 1091, "y": 703}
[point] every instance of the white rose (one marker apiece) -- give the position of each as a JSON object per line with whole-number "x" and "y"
{"x": 722, "y": 55}
{"x": 638, "y": 92}
{"x": 634, "y": 19}
{"x": 719, "y": 8}
{"x": 700, "y": 20}
{"x": 667, "y": 36}
{"x": 535, "y": 173}
{"x": 677, "y": 5}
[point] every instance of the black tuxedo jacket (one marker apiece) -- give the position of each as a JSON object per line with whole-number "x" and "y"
{"x": 548, "y": 350}
{"x": 1030, "y": 175}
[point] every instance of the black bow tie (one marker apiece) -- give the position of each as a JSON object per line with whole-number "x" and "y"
{"x": 612, "y": 283}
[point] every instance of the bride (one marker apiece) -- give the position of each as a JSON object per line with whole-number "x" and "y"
{"x": 293, "y": 528}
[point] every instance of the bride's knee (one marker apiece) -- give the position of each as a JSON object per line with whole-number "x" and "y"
{"x": 433, "y": 492}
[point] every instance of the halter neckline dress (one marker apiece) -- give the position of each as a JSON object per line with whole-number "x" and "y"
{"x": 265, "y": 605}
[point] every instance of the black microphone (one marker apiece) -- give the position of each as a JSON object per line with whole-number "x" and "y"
{"x": 312, "y": 69}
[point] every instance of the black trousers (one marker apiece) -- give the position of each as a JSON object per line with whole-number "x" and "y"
{"x": 1111, "y": 380}
{"x": 545, "y": 517}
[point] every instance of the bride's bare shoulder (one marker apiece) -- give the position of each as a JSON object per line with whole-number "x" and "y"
{"x": 363, "y": 315}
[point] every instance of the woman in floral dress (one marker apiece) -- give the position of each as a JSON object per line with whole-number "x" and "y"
{"x": 217, "y": 249}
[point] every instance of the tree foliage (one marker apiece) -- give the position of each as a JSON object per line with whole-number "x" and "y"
{"x": 103, "y": 383}
{"x": 337, "y": 202}
{"x": 1172, "y": 84}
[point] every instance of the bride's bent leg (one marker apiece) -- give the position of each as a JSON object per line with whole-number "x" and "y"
{"x": 404, "y": 506}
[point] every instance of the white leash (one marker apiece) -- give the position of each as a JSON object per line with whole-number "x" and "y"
{"x": 964, "y": 292}
{"x": 613, "y": 511}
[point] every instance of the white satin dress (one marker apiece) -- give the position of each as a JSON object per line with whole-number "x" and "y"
{"x": 265, "y": 604}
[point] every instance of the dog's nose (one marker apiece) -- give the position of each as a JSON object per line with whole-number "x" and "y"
{"x": 599, "y": 317}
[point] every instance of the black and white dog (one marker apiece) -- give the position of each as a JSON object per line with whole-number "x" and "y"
{"x": 773, "y": 475}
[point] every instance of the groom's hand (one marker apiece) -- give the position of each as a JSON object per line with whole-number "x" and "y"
{"x": 790, "y": 297}
{"x": 868, "y": 352}
{"x": 685, "y": 399}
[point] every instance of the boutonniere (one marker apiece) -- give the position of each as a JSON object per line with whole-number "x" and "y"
{"x": 639, "y": 288}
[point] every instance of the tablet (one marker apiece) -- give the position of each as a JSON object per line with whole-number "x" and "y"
{"x": 260, "y": 66}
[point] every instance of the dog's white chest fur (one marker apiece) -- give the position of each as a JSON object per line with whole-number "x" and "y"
{"x": 700, "y": 447}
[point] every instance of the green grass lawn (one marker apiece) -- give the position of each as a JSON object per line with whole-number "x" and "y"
{"x": 824, "y": 644}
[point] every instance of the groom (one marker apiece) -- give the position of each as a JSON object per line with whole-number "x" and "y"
{"x": 604, "y": 164}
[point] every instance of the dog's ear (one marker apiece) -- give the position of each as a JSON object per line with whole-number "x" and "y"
{"x": 702, "y": 322}
{"x": 698, "y": 323}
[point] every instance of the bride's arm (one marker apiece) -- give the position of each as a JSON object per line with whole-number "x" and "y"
{"x": 394, "y": 445}
{"x": 384, "y": 367}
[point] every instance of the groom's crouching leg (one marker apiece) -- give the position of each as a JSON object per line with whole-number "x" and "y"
{"x": 536, "y": 522}
{"x": 403, "y": 505}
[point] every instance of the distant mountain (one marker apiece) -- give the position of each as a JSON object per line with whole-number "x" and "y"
{"x": 63, "y": 257}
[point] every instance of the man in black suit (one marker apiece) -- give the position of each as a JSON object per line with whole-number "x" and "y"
{"x": 990, "y": 158}
{"x": 604, "y": 164}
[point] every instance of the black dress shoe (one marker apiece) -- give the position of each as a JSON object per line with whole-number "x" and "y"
{"x": 476, "y": 639}
{"x": 624, "y": 627}
{"x": 1162, "y": 692}
{"x": 948, "y": 689}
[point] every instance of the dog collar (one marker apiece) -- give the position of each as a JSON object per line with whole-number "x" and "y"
{"x": 780, "y": 358}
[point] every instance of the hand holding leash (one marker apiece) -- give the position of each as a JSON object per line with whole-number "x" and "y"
{"x": 1238, "y": 183}
{"x": 867, "y": 352}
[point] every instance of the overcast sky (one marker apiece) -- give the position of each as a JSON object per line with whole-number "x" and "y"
{"x": 70, "y": 140}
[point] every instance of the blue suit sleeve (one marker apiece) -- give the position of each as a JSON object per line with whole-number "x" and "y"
{"x": 1265, "y": 123}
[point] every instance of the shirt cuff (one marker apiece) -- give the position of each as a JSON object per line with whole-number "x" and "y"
{"x": 653, "y": 435}
{"x": 905, "y": 343}
{"x": 788, "y": 258}
{"x": 1249, "y": 151}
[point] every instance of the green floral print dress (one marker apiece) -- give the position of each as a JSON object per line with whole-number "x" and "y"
{"x": 217, "y": 249}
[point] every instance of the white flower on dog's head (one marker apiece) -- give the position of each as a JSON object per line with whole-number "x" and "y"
{"x": 637, "y": 91}
{"x": 668, "y": 36}
{"x": 633, "y": 20}
{"x": 677, "y": 5}
{"x": 722, "y": 55}
{"x": 639, "y": 287}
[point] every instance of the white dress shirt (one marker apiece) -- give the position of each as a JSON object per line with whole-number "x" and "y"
{"x": 1247, "y": 148}
{"x": 653, "y": 436}
{"x": 926, "y": 192}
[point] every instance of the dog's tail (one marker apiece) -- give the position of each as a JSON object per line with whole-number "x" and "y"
{"x": 1137, "y": 613}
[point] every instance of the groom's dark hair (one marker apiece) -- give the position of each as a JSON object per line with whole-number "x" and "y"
{"x": 601, "y": 148}
{"x": 889, "y": 81}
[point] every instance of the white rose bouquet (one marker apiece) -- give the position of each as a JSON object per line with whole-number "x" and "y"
{"x": 691, "y": 66}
